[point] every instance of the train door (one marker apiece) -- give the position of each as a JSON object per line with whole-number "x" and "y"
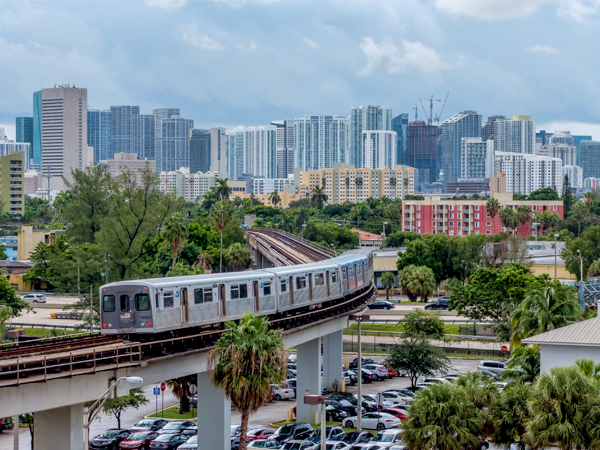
{"x": 223, "y": 300}
{"x": 310, "y": 287}
{"x": 328, "y": 284}
{"x": 185, "y": 310}
{"x": 291, "y": 284}
{"x": 126, "y": 316}
{"x": 256, "y": 297}
{"x": 365, "y": 273}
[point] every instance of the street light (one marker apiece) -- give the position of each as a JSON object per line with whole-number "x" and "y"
{"x": 98, "y": 405}
{"x": 333, "y": 246}
{"x": 303, "y": 227}
{"x": 580, "y": 266}
{"x": 555, "y": 252}
{"x": 383, "y": 233}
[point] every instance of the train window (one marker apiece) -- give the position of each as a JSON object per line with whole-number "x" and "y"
{"x": 124, "y": 302}
{"x": 203, "y": 295}
{"x": 267, "y": 288}
{"x": 300, "y": 283}
{"x": 235, "y": 292}
{"x": 108, "y": 303}
{"x": 168, "y": 299}
{"x": 142, "y": 302}
{"x": 334, "y": 277}
{"x": 243, "y": 291}
{"x": 157, "y": 297}
{"x": 284, "y": 286}
{"x": 319, "y": 280}
{"x": 208, "y": 295}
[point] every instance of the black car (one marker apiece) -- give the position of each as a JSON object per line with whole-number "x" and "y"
{"x": 6, "y": 424}
{"x": 343, "y": 396}
{"x": 330, "y": 432}
{"x": 440, "y": 303}
{"x": 381, "y": 304}
{"x": 342, "y": 404}
{"x": 354, "y": 363}
{"x": 109, "y": 439}
{"x": 289, "y": 431}
{"x": 168, "y": 441}
{"x": 368, "y": 376}
{"x": 334, "y": 414}
{"x": 149, "y": 425}
{"x": 352, "y": 376}
{"x": 354, "y": 437}
{"x": 176, "y": 427}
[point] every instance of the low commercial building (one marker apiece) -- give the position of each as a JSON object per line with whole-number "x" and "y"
{"x": 368, "y": 239}
{"x": 30, "y": 236}
{"x": 12, "y": 183}
{"x": 129, "y": 161}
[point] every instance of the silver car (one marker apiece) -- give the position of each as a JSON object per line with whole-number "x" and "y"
{"x": 35, "y": 298}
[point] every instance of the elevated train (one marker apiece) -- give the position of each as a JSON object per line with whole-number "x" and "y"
{"x": 160, "y": 305}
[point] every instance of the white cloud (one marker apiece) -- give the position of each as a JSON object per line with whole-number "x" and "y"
{"x": 579, "y": 10}
{"x": 251, "y": 47}
{"x": 165, "y": 4}
{"x": 310, "y": 43}
{"x": 202, "y": 41}
{"x": 411, "y": 54}
{"x": 542, "y": 49}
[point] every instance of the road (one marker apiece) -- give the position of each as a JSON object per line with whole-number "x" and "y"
{"x": 272, "y": 412}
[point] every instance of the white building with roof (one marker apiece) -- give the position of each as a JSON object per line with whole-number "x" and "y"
{"x": 527, "y": 173}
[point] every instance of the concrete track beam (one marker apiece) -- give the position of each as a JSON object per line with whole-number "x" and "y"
{"x": 332, "y": 360}
{"x": 214, "y": 414}
{"x": 308, "y": 380}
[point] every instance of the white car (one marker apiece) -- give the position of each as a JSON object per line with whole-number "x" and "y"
{"x": 394, "y": 398}
{"x": 299, "y": 445}
{"x": 385, "y": 439}
{"x": 35, "y": 298}
{"x": 282, "y": 393}
{"x": 373, "y": 421}
{"x": 293, "y": 358}
{"x": 378, "y": 370}
{"x": 335, "y": 445}
{"x": 435, "y": 380}
{"x": 493, "y": 366}
{"x": 373, "y": 401}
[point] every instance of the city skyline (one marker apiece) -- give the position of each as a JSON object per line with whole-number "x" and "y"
{"x": 228, "y": 63}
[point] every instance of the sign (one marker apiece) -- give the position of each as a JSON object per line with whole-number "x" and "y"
{"x": 156, "y": 391}
{"x": 193, "y": 389}
{"x": 504, "y": 349}
{"x": 163, "y": 386}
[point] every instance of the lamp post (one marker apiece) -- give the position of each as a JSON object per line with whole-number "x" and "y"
{"x": 383, "y": 233}
{"x": 89, "y": 414}
{"x": 359, "y": 318}
{"x": 580, "y": 266}
{"x": 303, "y": 227}
{"x": 555, "y": 253}
{"x": 333, "y": 246}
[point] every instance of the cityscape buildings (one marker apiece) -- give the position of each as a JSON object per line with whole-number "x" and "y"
{"x": 400, "y": 126}
{"x": 269, "y": 185}
{"x": 575, "y": 174}
{"x": 12, "y": 182}
{"x": 371, "y": 117}
{"x": 527, "y": 173}
{"x": 199, "y": 150}
{"x": 36, "y": 150}
{"x": 516, "y": 135}
{"x": 99, "y": 133}
{"x": 24, "y": 133}
{"x": 173, "y": 144}
{"x": 285, "y": 147}
{"x": 565, "y": 152}
{"x": 423, "y": 151}
{"x": 320, "y": 141}
{"x": 218, "y": 150}
{"x": 489, "y": 128}
{"x": 129, "y": 162}
{"x": 452, "y": 130}
{"x": 477, "y": 158}
{"x": 590, "y": 158}
{"x": 121, "y": 118}
{"x": 143, "y": 136}
{"x": 379, "y": 149}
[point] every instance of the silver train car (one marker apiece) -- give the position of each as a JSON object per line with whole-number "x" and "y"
{"x": 158, "y": 305}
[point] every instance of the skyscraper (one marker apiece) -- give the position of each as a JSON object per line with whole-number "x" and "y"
{"x": 462, "y": 125}
{"x": 24, "y": 133}
{"x": 516, "y": 135}
{"x": 36, "y": 149}
{"x": 400, "y": 126}
{"x": 235, "y": 154}
{"x": 121, "y": 129}
{"x": 423, "y": 152}
{"x": 369, "y": 117}
{"x": 173, "y": 145}
{"x": 320, "y": 141}
{"x": 99, "y": 133}
{"x": 143, "y": 136}
{"x": 590, "y": 158}
{"x": 379, "y": 149}
{"x": 218, "y": 150}
{"x": 285, "y": 147}
{"x": 252, "y": 151}
{"x": 64, "y": 132}
{"x": 477, "y": 158}
{"x": 527, "y": 173}
{"x": 200, "y": 150}
{"x": 489, "y": 129}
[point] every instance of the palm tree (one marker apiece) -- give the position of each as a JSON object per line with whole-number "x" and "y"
{"x": 387, "y": 279}
{"x": 579, "y": 212}
{"x": 523, "y": 215}
{"x": 275, "y": 198}
{"x": 590, "y": 200}
{"x": 204, "y": 261}
{"x": 545, "y": 309}
{"x": 222, "y": 189}
{"x": 237, "y": 256}
{"x": 418, "y": 281}
{"x": 492, "y": 207}
{"x": 359, "y": 213}
{"x": 524, "y": 364}
{"x": 176, "y": 232}
{"x": 392, "y": 213}
{"x": 303, "y": 216}
{"x": 208, "y": 200}
{"x": 221, "y": 213}
{"x": 179, "y": 387}
{"x": 508, "y": 218}
{"x": 509, "y": 414}
{"x": 246, "y": 359}
{"x": 286, "y": 223}
{"x": 318, "y": 197}
{"x": 441, "y": 417}
{"x": 479, "y": 389}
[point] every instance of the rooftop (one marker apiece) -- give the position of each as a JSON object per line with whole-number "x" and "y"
{"x": 580, "y": 333}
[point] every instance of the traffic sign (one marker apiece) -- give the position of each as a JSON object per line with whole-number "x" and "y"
{"x": 504, "y": 349}
{"x": 156, "y": 391}
{"x": 193, "y": 389}
{"x": 163, "y": 386}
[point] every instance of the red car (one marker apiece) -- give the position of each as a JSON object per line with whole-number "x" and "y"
{"x": 396, "y": 412}
{"x": 139, "y": 440}
{"x": 260, "y": 433}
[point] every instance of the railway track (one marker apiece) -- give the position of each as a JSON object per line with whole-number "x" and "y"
{"x": 301, "y": 253}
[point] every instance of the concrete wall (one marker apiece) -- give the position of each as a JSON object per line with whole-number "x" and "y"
{"x": 566, "y": 355}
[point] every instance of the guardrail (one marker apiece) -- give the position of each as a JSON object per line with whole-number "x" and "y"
{"x": 396, "y": 321}
{"x": 51, "y": 326}
{"x": 400, "y": 333}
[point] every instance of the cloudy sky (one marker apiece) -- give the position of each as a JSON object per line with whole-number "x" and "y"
{"x": 228, "y": 62}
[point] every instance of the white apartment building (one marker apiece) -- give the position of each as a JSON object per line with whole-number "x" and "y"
{"x": 129, "y": 161}
{"x": 477, "y": 158}
{"x": 527, "y": 173}
{"x": 567, "y": 153}
{"x": 268, "y": 185}
{"x": 516, "y": 135}
{"x": 7, "y": 147}
{"x": 591, "y": 184}
{"x": 320, "y": 141}
{"x": 257, "y": 149}
{"x": 379, "y": 149}
{"x": 575, "y": 174}
{"x": 189, "y": 186}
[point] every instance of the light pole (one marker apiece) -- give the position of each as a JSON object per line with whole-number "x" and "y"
{"x": 580, "y": 266}
{"x": 89, "y": 414}
{"x": 359, "y": 318}
{"x": 555, "y": 253}
{"x": 536, "y": 225}
{"x": 383, "y": 233}
{"x": 303, "y": 227}
{"x": 333, "y": 246}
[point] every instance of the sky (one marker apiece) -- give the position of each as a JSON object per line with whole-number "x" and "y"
{"x": 232, "y": 62}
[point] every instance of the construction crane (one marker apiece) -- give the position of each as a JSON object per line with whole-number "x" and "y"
{"x": 430, "y": 100}
{"x": 416, "y": 108}
{"x": 438, "y": 117}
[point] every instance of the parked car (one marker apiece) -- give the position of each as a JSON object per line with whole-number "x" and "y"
{"x": 329, "y": 433}
{"x": 369, "y": 403}
{"x": 176, "y": 427}
{"x": 400, "y": 413}
{"x": 351, "y": 376}
{"x": 109, "y": 439}
{"x": 391, "y": 371}
{"x": 435, "y": 380}
{"x": 373, "y": 421}
{"x": 379, "y": 370}
{"x": 333, "y": 445}
{"x": 342, "y": 404}
{"x": 290, "y": 373}
{"x": 293, "y": 358}
{"x": 381, "y": 304}
{"x": 387, "y": 438}
{"x": 149, "y": 425}
{"x": 259, "y": 433}
{"x": 35, "y": 298}
{"x": 366, "y": 446}
{"x": 190, "y": 444}
{"x": 291, "y": 431}
{"x": 354, "y": 437}
{"x": 5, "y": 424}
{"x": 298, "y": 444}
{"x": 354, "y": 363}
{"x": 395, "y": 398}
{"x": 168, "y": 441}
{"x": 334, "y": 414}
{"x": 343, "y": 396}
{"x": 403, "y": 392}
{"x": 282, "y": 393}
{"x": 264, "y": 443}
{"x": 452, "y": 376}
{"x": 490, "y": 374}
{"x": 140, "y": 440}
{"x": 368, "y": 376}
{"x": 493, "y": 366}
{"x": 440, "y": 303}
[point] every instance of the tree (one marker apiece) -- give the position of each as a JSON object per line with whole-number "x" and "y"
{"x": 400, "y": 238}
{"x": 275, "y": 198}
{"x": 318, "y": 197}
{"x": 116, "y": 406}
{"x": 221, "y": 214}
{"x": 208, "y": 200}
{"x": 579, "y": 212}
{"x": 567, "y": 197}
{"x": 508, "y": 219}
{"x": 420, "y": 323}
{"x": 246, "y": 359}
{"x": 183, "y": 270}
{"x": 418, "y": 281}
{"x": 237, "y": 257}
{"x": 10, "y": 300}
{"x": 544, "y": 309}
{"x": 547, "y": 194}
{"x": 360, "y": 213}
{"x": 479, "y": 389}
{"x": 594, "y": 269}
{"x": 180, "y": 389}
{"x": 523, "y": 215}
{"x": 176, "y": 232}
{"x": 6, "y": 314}
{"x": 589, "y": 245}
{"x": 222, "y": 190}
{"x": 286, "y": 223}
{"x": 441, "y": 417}
{"x": 387, "y": 279}
{"x": 524, "y": 364}
{"x": 417, "y": 357}
{"x": 509, "y": 414}
{"x": 492, "y": 207}
{"x": 590, "y": 198}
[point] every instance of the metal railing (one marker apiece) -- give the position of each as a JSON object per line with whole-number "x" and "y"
{"x": 400, "y": 333}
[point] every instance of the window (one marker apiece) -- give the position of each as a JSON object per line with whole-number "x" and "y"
{"x": 533, "y": 208}
{"x": 239, "y": 291}
{"x": 554, "y": 207}
{"x": 451, "y": 232}
{"x": 124, "y": 302}
{"x": 142, "y": 302}
{"x": 418, "y": 207}
{"x": 418, "y": 223}
{"x": 451, "y": 216}
{"x": 489, "y": 224}
{"x": 319, "y": 279}
{"x": 476, "y": 224}
{"x": 487, "y": 215}
{"x": 300, "y": 283}
{"x": 418, "y": 215}
{"x": 458, "y": 216}
{"x": 488, "y": 232}
{"x": 451, "y": 224}
{"x": 334, "y": 277}
{"x": 267, "y": 288}
{"x": 157, "y": 297}
{"x": 168, "y": 299}
{"x": 203, "y": 295}
{"x": 476, "y": 207}
{"x": 477, "y": 216}
{"x": 451, "y": 208}
{"x": 108, "y": 303}
{"x": 284, "y": 286}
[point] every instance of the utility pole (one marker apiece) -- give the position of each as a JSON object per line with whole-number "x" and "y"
{"x": 91, "y": 308}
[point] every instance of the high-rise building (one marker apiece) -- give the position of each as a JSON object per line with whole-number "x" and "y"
{"x": 527, "y": 173}
{"x": 379, "y": 149}
{"x": 543, "y": 137}
{"x": 371, "y": 117}
{"x": 320, "y": 141}
{"x": 99, "y": 133}
{"x": 489, "y": 129}
{"x": 423, "y": 152}
{"x": 163, "y": 113}
{"x": 36, "y": 149}
{"x": 12, "y": 183}
{"x": 567, "y": 153}
{"x": 24, "y": 133}
{"x": 64, "y": 132}
{"x": 218, "y": 150}
{"x": 577, "y": 143}
{"x": 188, "y": 185}
{"x": 173, "y": 145}
{"x": 235, "y": 154}
{"x": 143, "y": 136}
{"x": 7, "y": 147}
{"x": 516, "y": 135}
{"x": 285, "y": 147}
{"x": 200, "y": 150}
{"x": 400, "y": 126}
{"x": 575, "y": 174}
{"x": 561, "y": 137}
{"x": 590, "y": 158}
{"x": 452, "y": 130}
{"x": 477, "y": 158}
{"x": 121, "y": 119}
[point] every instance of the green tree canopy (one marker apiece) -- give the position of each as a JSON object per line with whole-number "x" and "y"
{"x": 237, "y": 257}
{"x": 387, "y": 279}
{"x": 417, "y": 357}
{"x": 116, "y": 406}
{"x": 546, "y": 193}
{"x": 418, "y": 281}
{"x": 420, "y": 323}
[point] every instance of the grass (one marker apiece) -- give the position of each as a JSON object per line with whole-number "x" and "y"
{"x": 46, "y": 332}
{"x": 173, "y": 413}
{"x": 449, "y": 328}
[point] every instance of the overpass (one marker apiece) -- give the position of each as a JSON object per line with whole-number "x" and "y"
{"x": 56, "y": 377}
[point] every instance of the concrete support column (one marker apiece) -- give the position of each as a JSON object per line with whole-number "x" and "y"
{"x": 214, "y": 415}
{"x": 59, "y": 428}
{"x": 332, "y": 360}
{"x": 308, "y": 379}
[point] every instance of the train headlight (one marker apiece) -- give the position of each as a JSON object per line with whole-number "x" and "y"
{"x": 110, "y": 325}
